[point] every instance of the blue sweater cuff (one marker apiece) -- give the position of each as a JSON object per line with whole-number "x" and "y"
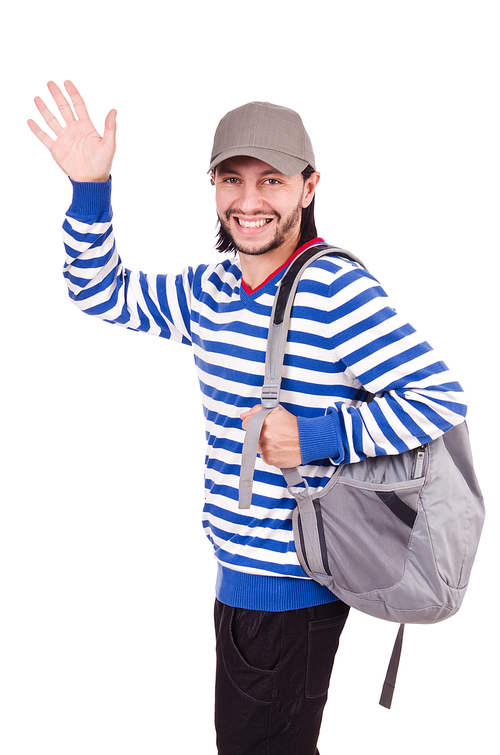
{"x": 319, "y": 438}
{"x": 91, "y": 199}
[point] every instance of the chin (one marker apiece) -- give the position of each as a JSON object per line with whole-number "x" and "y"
{"x": 255, "y": 251}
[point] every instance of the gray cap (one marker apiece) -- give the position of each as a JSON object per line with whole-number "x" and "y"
{"x": 273, "y": 134}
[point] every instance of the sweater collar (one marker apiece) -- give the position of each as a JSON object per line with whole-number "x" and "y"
{"x": 249, "y": 290}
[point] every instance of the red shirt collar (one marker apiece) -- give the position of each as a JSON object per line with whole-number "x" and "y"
{"x": 249, "y": 290}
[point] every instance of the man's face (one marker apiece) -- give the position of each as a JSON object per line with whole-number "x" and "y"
{"x": 258, "y": 207}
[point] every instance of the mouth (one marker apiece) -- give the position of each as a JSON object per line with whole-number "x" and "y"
{"x": 253, "y": 223}
{"x": 241, "y": 223}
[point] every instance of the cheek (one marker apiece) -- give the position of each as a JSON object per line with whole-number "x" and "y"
{"x": 223, "y": 201}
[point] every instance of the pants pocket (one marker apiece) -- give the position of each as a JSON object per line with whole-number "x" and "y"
{"x": 323, "y": 641}
{"x": 251, "y": 675}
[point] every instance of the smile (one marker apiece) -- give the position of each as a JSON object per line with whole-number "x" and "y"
{"x": 253, "y": 223}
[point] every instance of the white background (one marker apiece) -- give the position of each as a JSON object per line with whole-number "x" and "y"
{"x": 106, "y": 580}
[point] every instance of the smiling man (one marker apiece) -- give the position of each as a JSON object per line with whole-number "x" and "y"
{"x": 277, "y": 630}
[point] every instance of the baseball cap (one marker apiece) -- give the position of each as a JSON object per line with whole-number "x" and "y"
{"x": 271, "y": 133}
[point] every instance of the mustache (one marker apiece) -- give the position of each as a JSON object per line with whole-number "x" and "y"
{"x": 258, "y": 213}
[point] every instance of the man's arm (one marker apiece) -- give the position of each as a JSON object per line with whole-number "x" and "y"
{"x": 98, "y": 284}
{"x": 77, "y": 148}
{"x": 101, "y": 286}
{"x": 415, "y": 397}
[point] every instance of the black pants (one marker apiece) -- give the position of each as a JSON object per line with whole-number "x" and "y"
{"x": 273, "y": 673}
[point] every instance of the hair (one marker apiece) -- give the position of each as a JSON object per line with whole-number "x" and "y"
{"x": 308, "y": 230}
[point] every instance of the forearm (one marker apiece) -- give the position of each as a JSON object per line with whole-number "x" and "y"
{"x": 92, "y": 269}
{"x": 394, "y": 420}
{"x": 99, "y": 284}
{"x": 414, "y": 397}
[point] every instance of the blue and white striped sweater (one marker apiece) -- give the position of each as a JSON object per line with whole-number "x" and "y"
{"x": 345, "y": 339}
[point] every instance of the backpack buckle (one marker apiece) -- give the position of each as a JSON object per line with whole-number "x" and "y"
{"x": 270, "y": 396}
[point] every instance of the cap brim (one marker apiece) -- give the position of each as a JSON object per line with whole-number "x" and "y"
{"x": 286, "y": 164}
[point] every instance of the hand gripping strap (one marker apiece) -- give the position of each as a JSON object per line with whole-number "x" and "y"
{"x": 276, "y": 343}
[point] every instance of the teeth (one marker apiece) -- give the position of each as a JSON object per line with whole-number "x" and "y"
{"x": 253, "y": 223}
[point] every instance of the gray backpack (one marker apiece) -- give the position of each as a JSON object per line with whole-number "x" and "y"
{"x": 393, "y": 536}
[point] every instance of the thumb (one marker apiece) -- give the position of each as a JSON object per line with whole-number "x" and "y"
{"x": 245, "y": 416}
{"x": 109, "y": 135}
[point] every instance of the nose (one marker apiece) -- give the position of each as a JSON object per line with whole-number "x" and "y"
{"x": 250, "y": 198}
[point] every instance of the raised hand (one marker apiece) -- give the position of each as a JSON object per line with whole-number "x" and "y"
{"x": 77, "y": 148}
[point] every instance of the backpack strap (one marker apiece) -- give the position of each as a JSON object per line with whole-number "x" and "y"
{"x": 276, "y": 343}
{"x": 392, "y": 671}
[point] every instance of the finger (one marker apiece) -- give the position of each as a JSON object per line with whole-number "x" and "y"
{"x": 76, "y": 99}
{"x": 44, "y": 138}
{"x": 49, "y": 118}
{"x": 61, "y": 102}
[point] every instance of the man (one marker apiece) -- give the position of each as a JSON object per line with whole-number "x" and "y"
{"x": 277, "y": 631}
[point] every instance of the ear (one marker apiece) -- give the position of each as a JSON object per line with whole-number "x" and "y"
{"x": 309, "y": 189}
{"x": 212, "y": 178}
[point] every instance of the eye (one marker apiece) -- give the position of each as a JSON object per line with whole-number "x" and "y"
{"x": 273, "y": 181}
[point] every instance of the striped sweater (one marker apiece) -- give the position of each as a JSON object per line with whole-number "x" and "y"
{"x": 345, "y": 339}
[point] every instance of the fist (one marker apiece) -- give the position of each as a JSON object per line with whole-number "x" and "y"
{"x": 279, "y": 438}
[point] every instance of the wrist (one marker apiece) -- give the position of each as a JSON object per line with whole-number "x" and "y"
{"x": 91, "y": 198}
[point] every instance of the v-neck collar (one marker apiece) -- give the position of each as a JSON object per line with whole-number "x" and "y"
{"x": 251, "y": 291}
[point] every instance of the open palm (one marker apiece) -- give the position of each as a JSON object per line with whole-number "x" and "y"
{"x": 78, "y": 148}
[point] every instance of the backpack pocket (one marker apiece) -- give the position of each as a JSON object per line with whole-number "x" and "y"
{"x": 365, "y": 530}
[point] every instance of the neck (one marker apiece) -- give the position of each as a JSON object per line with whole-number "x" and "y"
{"x": 255, "y": 269}
{"x": 255, "y": 275}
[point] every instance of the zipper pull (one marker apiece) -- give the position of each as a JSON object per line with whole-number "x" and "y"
{"x": 419, "y": 464}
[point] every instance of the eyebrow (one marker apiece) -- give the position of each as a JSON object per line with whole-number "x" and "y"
{"x": 226, "y": 172}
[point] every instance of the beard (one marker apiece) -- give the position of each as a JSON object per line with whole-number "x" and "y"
{"x": 283, "y": 229}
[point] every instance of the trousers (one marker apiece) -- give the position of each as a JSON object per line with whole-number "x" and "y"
{"x": 272, "y": 677}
